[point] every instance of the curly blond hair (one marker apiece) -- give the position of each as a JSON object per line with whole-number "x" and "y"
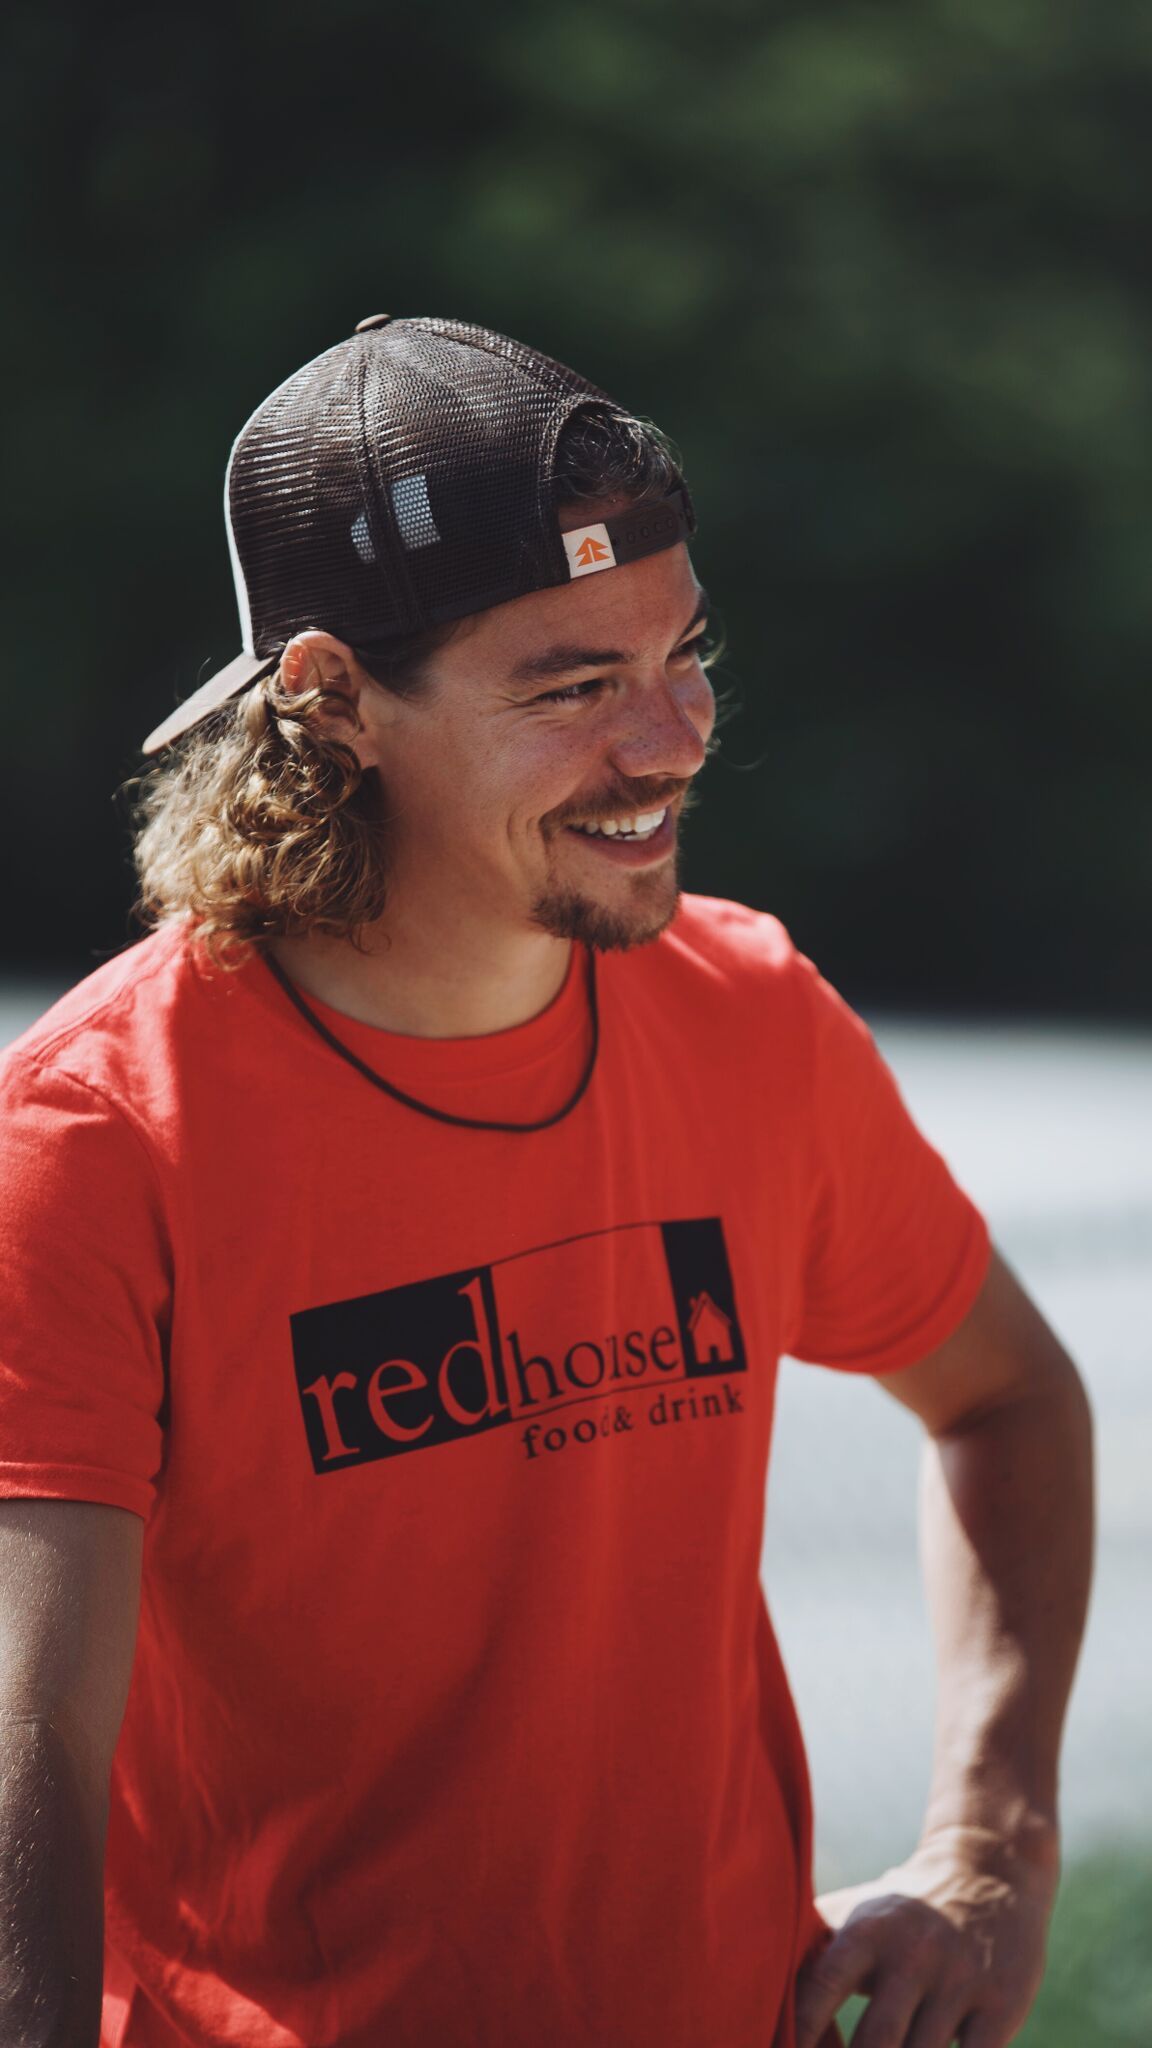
{"x": 259, "y": 825}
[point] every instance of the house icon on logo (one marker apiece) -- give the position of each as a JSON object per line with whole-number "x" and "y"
{"x": 711, "y": 1332}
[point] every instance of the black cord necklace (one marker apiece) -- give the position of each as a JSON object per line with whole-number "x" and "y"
{"x": 444, "y": 1116}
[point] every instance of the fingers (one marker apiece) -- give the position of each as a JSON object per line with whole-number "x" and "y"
{"x": 924, "y": 1988}
{"x": 886, "y": 2022}
{"x": 827, "y": 1982}
{"x": 986, "y": 2030}
{"x": 895, "y": 2017}
{"x": 938, "y": 2023}
{"x": 902, "y": 2013}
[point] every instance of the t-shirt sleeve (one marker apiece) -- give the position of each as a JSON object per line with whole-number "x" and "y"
{"x": 85, "y": 1288}
{"x": 895, "y": 1253}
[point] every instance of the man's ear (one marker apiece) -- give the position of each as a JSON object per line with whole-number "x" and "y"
{"x": 318, "y": 661}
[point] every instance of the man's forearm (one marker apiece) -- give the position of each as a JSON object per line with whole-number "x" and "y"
{"x": 951, "y": 1941}
{"x": 1007, "y": 1537}
{"x": 51, "y": 1892}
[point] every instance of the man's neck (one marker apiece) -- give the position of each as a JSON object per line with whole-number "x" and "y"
{"x": 458, "y": 982}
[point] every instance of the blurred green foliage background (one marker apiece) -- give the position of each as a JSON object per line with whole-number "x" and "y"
{"x": 882, "y": 271}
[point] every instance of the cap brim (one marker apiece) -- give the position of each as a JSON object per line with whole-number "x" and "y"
{"x": 227, "y": 682}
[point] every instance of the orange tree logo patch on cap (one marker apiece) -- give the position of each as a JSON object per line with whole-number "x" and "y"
{"x": 589, "y": 548}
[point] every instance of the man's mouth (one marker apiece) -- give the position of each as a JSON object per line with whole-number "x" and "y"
{"x": 642, "y": 839}
{"x": 643, "y": 826}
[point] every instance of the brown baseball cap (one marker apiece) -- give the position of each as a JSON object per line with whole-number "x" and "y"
{"x": 400, "y": 480}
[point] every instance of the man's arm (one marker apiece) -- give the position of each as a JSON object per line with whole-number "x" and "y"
{"x": 955, "y": 1937}
{"x": 69, "y": 1600}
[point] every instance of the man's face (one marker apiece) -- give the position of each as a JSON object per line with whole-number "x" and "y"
{"x": 585, "y": 705}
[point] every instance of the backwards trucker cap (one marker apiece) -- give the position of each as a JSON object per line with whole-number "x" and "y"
{"x": 401, "y": 480}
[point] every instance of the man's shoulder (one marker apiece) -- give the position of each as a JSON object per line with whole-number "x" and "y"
{"x": 752, "y": 961}
{"x": 108, "y": 1031}
{"x": 724, "y": 971}
{"x": 730, "y": 937}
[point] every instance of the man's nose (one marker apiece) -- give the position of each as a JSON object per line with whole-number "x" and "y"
{"x": 666, "y": 732}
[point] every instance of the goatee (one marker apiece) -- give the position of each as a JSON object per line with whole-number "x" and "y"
{"x": 565, "y": 914}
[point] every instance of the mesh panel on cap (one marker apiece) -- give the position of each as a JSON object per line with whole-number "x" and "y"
{"x": 300, "y": 526}
{"x": 401, "y": 479}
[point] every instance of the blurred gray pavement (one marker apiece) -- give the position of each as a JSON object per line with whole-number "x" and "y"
{"x": 1050, "y": 1130}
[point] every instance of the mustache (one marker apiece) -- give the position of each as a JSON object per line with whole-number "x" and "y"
{"x": 641, "y": 793}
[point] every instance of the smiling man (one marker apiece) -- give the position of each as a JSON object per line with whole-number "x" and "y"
{"x": 398, "y": 1246}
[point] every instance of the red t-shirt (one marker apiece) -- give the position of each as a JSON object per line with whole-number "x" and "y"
{"x": 457, "y": 1716}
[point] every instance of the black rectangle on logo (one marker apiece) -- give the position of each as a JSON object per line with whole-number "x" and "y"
{"x": 705, "y": 1297}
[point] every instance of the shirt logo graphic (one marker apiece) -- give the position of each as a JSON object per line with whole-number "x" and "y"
{"x": 560, "y": 1327}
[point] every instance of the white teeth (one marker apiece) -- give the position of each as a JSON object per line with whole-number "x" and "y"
{"x": 640, "y": 827}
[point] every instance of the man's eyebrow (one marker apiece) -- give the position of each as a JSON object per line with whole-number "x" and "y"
{"x": 563, "y": 660}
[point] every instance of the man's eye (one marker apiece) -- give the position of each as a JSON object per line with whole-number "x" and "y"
{"x": 577, "y": 693}
{"x": 573, "y": 693}
{"x": 694, "y": 650}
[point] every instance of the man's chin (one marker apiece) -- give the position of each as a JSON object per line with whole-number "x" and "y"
{"x": 566, "y": 914}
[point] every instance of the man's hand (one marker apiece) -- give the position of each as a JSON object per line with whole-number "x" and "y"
{"x": 948, "y": 1945}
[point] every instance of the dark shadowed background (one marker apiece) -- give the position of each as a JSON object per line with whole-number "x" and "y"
{"x": 881, "y": 270}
